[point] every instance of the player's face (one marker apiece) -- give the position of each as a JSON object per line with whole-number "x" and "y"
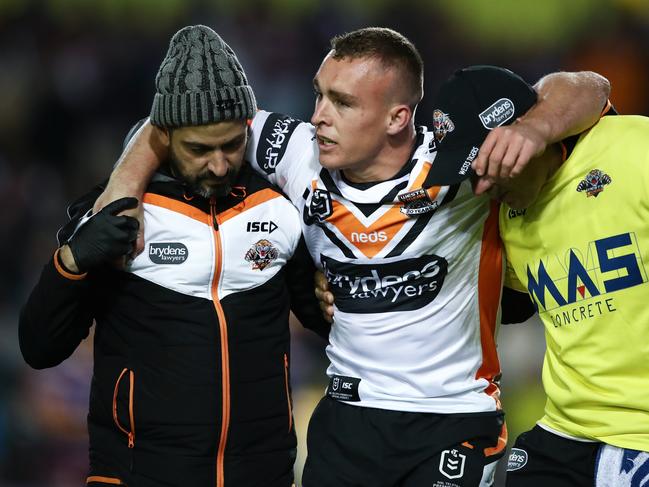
{"x": 352, "y": 110}
{"x": 208, "y": 157}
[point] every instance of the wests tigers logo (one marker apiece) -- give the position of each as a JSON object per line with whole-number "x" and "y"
{"x": 594, "y": 182}
{"x": 261, "y": 254}
{"x": 442, "y": 124}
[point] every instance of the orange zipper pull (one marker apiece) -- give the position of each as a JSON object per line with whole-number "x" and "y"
{"x": 131, "y": 440}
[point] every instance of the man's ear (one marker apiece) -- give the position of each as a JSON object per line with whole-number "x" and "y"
{"x": 164, "y": 135}
{"x": 160, "y": 142}
{"x": 399, "y": 118}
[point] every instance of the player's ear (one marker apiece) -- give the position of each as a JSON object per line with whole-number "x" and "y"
{"x": 399, "y": 118}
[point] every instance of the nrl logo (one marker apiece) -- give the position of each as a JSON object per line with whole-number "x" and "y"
{"x": 320, "y": 207}
{"x": 261, "y": 254}
{"x": 442, "y": 124}
{"x": 451, "y": 464}
{"x": 594, "y": 183}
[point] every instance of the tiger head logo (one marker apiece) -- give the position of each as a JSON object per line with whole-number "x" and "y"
{"x": 442, "y": 124}
{"x": 594, "y": 182}
{"x": 261, "y": 254}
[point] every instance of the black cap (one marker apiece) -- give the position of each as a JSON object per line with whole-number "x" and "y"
{"x": 472, "y": 102}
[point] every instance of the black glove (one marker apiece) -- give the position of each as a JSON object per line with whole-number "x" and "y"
{"x": 105, "y": 236}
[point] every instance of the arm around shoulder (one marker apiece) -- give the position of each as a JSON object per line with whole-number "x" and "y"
{"x": 144, "y": 150}
{"x": 569, "y": 103}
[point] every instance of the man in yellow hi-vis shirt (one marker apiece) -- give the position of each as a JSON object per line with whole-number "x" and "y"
{"x": 576, "y": 235}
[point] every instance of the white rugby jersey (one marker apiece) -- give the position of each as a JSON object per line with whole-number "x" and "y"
{"x": 416, "y": 274}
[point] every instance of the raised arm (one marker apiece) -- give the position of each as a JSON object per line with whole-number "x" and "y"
{"x": 568, "y": 103}
{"x": 142, "y": 156}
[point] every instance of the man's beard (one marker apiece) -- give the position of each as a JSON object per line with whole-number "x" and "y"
{"x": 197, "y": 184}
{"x": 218, "y": 187}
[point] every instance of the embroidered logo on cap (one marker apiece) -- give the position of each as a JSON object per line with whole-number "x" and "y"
{"x": 497, "y": 114}
{"x": 442, "y": 124}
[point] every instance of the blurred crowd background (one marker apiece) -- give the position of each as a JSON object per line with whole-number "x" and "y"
{"x": 76, "y": 74}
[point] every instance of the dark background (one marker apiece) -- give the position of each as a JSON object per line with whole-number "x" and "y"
{"x": 76, "y": 74}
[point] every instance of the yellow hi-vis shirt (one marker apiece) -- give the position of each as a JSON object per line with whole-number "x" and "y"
{"x": 582, "y": 252}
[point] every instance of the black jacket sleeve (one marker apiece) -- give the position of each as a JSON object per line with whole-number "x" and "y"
{"x": 299, "y": 274}
{"x": 516, "y": 306}
{"x": 56, "y": 317}
{"x": 58, "y": 313}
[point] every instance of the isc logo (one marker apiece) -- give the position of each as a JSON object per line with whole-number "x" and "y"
{"x": 610, "y": 264}
{"x": 268, "y": 226}
{"x": 369, "y": 237}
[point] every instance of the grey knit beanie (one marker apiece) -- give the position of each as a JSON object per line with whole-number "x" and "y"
{"x": 200, "y": 81}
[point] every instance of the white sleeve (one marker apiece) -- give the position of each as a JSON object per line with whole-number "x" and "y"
{"x": 284, "y": 151}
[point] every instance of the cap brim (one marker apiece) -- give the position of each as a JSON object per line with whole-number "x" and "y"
{"x": 452, "y": 166}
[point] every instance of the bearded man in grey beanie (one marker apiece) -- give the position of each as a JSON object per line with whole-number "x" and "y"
{"x": 191, "y": 344}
